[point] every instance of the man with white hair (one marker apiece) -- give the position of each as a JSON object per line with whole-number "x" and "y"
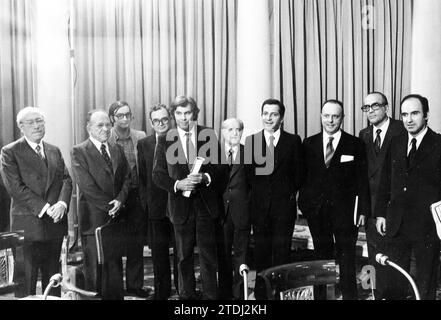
{"x": 40, "y": 187}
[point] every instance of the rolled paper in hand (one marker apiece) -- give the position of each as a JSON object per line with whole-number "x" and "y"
{"x": 196, "y": 168}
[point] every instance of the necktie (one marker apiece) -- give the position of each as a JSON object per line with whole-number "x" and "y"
{"x": 412, "y": 153}
{"x": 106, "y": 156}
{"x": 329, "y": 152}
{"x": 377, "y": 142}
{"x": 191, "y": 152}
{"x": 271, "y": 143}
{"x": 40, "y": 154}
{"x": 230, "y": 157}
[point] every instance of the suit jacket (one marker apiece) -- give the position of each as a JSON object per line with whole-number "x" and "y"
{"x": 153, "y": 198}
{"x": 236, "y": 190}
{"x": 31, "y": 184}
{"x": 375, "y": 163}
{"x": 98, "y": 184}
{"x": 405, "y": 194}
{"x": 277, "y": 188}
{"x": 336, "y": 186}
{"x": 166, "y": 173}
{"x": 135, "y": 135}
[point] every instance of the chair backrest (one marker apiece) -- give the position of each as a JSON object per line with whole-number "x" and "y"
{"x": 110, "y": 241}
{"x": 294, "y": 280}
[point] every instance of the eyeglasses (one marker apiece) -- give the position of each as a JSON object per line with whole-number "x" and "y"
{"x": 374, "y": 107}
{"x": 120, "y": 116}
{"x": 37, "y": 121}
{"x": 162, "y": 121}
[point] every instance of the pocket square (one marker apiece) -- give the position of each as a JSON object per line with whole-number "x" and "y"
{"x": 345, "y": 158}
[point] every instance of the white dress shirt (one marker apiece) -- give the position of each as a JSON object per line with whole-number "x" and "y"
{"x": 98, "y": 144}
{"x": 276, "y": 136}
{"x": 234, "y": 148}
{"x": 418, "y": 138}
{"x": 383, "y": 129}
{"x": 335, "y": 142}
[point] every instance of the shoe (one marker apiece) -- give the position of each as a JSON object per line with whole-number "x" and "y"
{"x": 142, "y": 293}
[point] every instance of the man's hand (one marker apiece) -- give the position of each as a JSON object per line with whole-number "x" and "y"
{"x": 361, "y": 221}
{"x": 186, "y": 185}
{"x": 381, "y": 226}
{"x": 56, "y": 212}
{"x": 198, "y": 178}
{"x": 116, "y": 207}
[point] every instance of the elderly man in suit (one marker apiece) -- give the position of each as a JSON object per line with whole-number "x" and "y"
{"x": 154, "y": 203}
{"x": 193, "y": 217}
{"x": 377, "y": 137}
{"x": 274, "y": 172}
{"x": 335, "y": 174}
{"x": 103, "y": 176}
{"x": 40, "y": 187}
{"x": 235, "y": 220}
{"x": 120, "y": 115}
{"x": 411, "y": 182}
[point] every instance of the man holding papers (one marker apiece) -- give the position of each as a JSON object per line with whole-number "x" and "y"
{"x": 335, "y": 175}
{"x": 193, "y": 216}
{"x": 410, "y": 184}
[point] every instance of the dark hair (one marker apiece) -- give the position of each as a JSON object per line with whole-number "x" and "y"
{"x": 382, "y": 97}
{"x": 183, "y": 101}
{"x": 114, "y": 107}
{"x": 424, "y": 102}
{"x": 92, "y": 112}
{"x": 276, "y": 102}
{"x": 157, "y": 107}
{"x": 335, "y": 101}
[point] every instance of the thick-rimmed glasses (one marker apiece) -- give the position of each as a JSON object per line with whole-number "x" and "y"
{"x": 374, "y": 107}
{"x": 120, "y": 116}
{"x": 162, "y": 121}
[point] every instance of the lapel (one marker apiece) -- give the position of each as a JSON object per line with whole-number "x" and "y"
{"x": 114, "y": 155}
{"x": 340, "y": 149}
{"x": 237, "y": 162}
{"x": 51, "y": 157}
{"x": 425, "y": 148}
{"x": 93, "y": 151}
{"x": 280, "y": 150}
{"x": 180, "y": 143}
{"x": 30, "y": 154}
{"x": 318, "y": 147}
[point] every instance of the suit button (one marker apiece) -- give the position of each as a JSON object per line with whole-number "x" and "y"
{"x": 404, "y": 189}
{"x": 228, "y": 201}
{"x": 229, "y": 189}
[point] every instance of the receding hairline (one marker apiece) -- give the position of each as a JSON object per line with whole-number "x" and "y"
{"x": 28, "y": 110}
{"x": 380, "y": 95}
{"x": 228, "y": 121}
{"x": 91, "y": 113}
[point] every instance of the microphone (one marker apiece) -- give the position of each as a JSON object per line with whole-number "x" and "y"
{"x": 382, "y": 259}
{"x": 243, "y": 268}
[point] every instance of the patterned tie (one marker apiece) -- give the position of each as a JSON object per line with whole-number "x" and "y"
{"x": 40, "y": 154}
{"x": 377, "y": 142}
{"x": 412, "y": 154}
{"x": 191, "y": 152}
{"x": 230, "y": 158}
{"x": 329, "y": 152}
{"x": 106, "y": 156}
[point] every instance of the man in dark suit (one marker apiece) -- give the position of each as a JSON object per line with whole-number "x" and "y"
{"x": 411, "y": 182}
{"x": 193, "y": 217}
{"x": 274, "y": 173}
{"x": 154, "y": 203}
{"x": 235, "y": 220}
{"x": 122, "y": 134}
{"x": 377, "y": 138}
{"x": 335, "y": 174}
{"x": 103, "y": 176}
{"x": 40, "y": 187}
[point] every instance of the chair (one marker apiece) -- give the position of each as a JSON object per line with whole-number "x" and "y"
{"x": 295, "y": 281}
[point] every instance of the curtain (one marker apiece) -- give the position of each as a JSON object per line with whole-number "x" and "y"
{"x": 149, "y": 51}
{"x": 16, "y": 65}
{"x": 339, "y": 49}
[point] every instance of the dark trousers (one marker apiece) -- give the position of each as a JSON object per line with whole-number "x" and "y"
{"x": 106, "y": 279}
{"x": 198, "y": 229}
{"x": 272, "y": 242}
{"x": 161, "y": 236}
{"x": 426, "y": 251}
{"x": 232, "y": 251}
{"x": 323, "y": 233}
{"x": 375, "y": 245}
{"x": 136, "y": 221}
{"x": 43, "y": 256}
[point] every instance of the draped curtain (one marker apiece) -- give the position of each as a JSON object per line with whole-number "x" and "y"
{"x": 339, "y": 49}
{"x": 16, "y": 64}
{"x": 149, "y": 51}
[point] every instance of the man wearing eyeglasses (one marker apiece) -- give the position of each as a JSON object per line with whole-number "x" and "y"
{"x": 377, "y": 137}
{"x": 40, "y": 187}
{"x": 154, "y": 203}
{"x": 120, "y": 115}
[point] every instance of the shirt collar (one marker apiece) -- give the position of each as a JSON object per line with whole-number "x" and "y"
{"x": 276, "y": 136}
{"x": 228, "y": 147}
{"x": 33, "y": 145}
{"x": 114, "y": 134}
{"x": 98, "y": 144}
{"x": 336, "y": 136}
{"x": 418, "y": 138}
{"x": 183, "y": 132}
{"x": 383, "y": 127}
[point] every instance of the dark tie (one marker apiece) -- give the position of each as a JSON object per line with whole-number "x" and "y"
{"x": 329, "y": 152}
{"x": 106, "y": 156}
{"x": 377, "y": 142}
{"x": 412, "y": 154}
{"x": 40, "y": 154}
{"x": 191, "y": 152}
{"x": 230, "y": 158}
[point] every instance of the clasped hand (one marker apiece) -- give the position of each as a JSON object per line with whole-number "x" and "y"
{"x": 190, "y": 183}
{"x": 115, "y": 209}
{"x": 56, "y": 212}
